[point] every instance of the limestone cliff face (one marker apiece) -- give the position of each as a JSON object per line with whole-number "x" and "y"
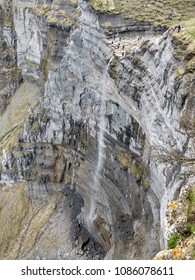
{"x": 10, "y": 74}
{"x": 93, "y": 145}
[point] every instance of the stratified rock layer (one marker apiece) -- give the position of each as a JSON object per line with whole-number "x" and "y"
{"x": 70, "y": 113}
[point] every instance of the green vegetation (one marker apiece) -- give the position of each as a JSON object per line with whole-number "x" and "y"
{"x": 73, "y": 3}
{"x": 190, "y": 27}
{"x": 191, "y": 211}
{"x": 181, "y": 218}
{"x": 158, "y": 12}
{"x": 54, "y": 15}
{"x": 184, "y": 47}
{"x": 193, "y": 253}
{"x": 128, "y": 163}
{"x": 150, "y": 10}
{"x": 135, "y": 167}
{"x": 191, "y": 196}
{"x": 173, "y": 241}
{"x": 192, "y": 229}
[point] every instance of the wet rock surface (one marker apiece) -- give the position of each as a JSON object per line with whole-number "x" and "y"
{"x": 62, "y": 120}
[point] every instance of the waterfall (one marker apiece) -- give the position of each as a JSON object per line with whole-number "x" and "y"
{"x": 95, "y": 185}
{"x": 74, "y": 165}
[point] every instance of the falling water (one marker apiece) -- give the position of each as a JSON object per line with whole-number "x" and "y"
{"x": 102, "y": 125}
{"x": 101, "y": 147}
{"x": 74, "y": 165}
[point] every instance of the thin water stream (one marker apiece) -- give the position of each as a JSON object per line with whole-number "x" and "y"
{"x": 95, "y": 185}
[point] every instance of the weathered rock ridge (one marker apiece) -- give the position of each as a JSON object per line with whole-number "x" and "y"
{"x": 93, "y": 146}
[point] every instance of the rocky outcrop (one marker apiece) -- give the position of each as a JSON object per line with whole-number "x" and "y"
{"x": 162, "y": 113}
{"x": 93, "y": 146}
{"x": 180, "y": 227}
{"x": 10, "y": 74}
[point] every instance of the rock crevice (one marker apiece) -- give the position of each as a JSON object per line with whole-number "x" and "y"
{"x": 49, "y": 146}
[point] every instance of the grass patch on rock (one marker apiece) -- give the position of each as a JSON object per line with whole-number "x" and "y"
{"x": 184, "y": 49}
{"x": 173, "y": 241}
{"x": 13, "y": 119}
{"x": 157, "y": 11}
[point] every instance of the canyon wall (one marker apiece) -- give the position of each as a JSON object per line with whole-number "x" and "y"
{"x": 93, "y": 145}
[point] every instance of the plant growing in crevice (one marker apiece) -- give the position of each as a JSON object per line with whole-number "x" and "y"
{"x": 174, "y": 241}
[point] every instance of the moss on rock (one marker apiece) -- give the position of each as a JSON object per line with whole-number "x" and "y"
{"x": 53, "y": 15}
{"x": 135, "y": 167}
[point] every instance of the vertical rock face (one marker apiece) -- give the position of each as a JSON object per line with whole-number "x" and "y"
{"x": 67, "y": 111}
{"x": 10, "y": 74}
{"x": 155, "y": 89}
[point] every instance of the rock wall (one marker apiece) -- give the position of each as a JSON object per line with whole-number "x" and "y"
{"x": 151, "y": 73}
{"x": 10, "y": 74}
{"x": 67, "y": 100}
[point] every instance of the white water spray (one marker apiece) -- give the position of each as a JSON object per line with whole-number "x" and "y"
{"x": 74, "y": 166}
{"x": 95, "y": 186}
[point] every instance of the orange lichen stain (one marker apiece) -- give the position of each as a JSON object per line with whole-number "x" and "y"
{"x": 177, "y": 254}
{"x": 173, "y": 205}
